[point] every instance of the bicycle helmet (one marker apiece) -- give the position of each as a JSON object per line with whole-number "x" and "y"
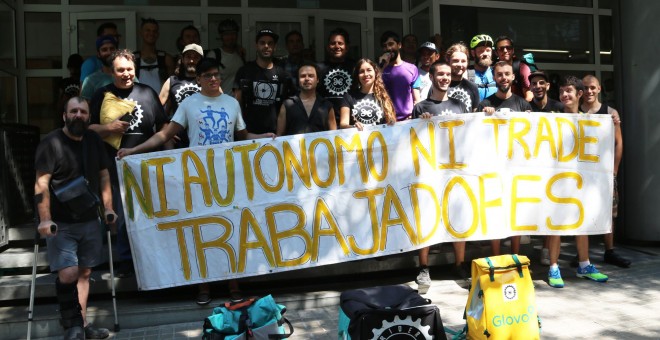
{"x": 227, "y": 25}
{"x": 480, "y": 39}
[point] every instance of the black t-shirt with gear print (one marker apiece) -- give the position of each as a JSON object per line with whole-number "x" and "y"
{"x": 182, "y": 88}
{"x": 465, "y": 91}
{"x": 364, "y": 108}
{"x": 437, "y": 108}
{"x": 335, "y": 81}
{"x": 514, "y": 103}
{"x": 262, "y": 93}
{"x": 148, "y": 116}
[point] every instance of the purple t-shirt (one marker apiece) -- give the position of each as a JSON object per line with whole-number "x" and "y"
{"x": 399, "y": 82}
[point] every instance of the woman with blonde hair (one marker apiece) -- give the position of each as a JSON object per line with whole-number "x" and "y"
{"x": 367, "y": 103}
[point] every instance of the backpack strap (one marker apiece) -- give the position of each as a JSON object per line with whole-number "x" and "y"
{"x": 137, "y": 63}
{"x": 218, "y": 57}
{"x": 518, "y": 264}
{"x": 470, "y": 74}
{"x": 491, "y": 269}
{"x": 162, "y": 65}
{"x": 516, "y": 71}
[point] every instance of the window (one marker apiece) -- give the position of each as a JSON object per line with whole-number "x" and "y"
{"x": 420, "y": 26}
{"x": 42, "y": 99}
{"x": 146, "y": 2}
{"x": 8, "y": 108}
{"x": 225, "y": 3}
{"x": 387, "y": 6}
{"x": 43, "y": 51}
{"x": 552, "y": 37}
{"x": 7, "y": 36}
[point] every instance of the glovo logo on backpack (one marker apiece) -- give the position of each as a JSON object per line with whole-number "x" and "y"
{"x": 501, "y": 303}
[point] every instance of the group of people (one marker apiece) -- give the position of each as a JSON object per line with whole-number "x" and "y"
{"x": 207, "y": 97}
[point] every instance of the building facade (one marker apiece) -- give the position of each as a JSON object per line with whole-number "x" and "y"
{"x": 566, "y": 37}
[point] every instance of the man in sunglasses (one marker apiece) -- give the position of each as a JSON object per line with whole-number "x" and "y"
{"x": 506, "y": 52}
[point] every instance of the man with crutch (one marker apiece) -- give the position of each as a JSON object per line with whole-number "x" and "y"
{"x": 71, "y": 175}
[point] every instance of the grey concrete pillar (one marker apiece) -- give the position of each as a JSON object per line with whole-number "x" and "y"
{"x": 638, "y": 68}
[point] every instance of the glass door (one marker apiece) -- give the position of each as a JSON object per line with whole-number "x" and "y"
{"x": 82, "y": 32}
{"x": 281, "y": 25}
{"x": 356, "y": 28}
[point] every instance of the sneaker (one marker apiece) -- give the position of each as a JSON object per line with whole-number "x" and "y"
{"x": 590, "y": 272}
{"x": 554, "y": 278}
{"x": 424, "y": 277}
{"x": 613, "y": 258}
{"x": 545, "y": 257}
{"x": 74, "y": 333}
{"x": 459, "y": 272}
{"x": 203, "y": 298}
{"x": 125, "y": 269}
{"x": 96, "y": 333}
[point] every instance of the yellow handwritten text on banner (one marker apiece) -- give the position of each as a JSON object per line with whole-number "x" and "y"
{"x": 257, "y": 207}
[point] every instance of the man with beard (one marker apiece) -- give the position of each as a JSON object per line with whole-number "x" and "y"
{"x": 504, "y": 100}
{"x": 74, "y": 246}
{"x": 461, "y": 88}
{"x": 261, "y": 85}
{"x": 306, "y": 112}
{"x": 438, "y": 103}
{"x": 481, "y": 49}
{"x": 401, "y": 78}
{"x": 230, "y": 56}
{"x": 105, "y": 46}
{"x": 428, "y": 54}
{"x": 539, "y": 86}
{"x": 124, "y": 114}
{"x": 335, "y": 72}
{"x": 181, "y": 86}
{"x": 210, "y": 118}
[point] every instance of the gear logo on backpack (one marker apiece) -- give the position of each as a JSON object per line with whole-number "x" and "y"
{"x": 510, "y": 292}
{"x": 411, "y": 329}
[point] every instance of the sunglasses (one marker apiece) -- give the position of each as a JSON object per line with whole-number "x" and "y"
{"x": 503, "y": 48}
{"x": 209, "y": 76}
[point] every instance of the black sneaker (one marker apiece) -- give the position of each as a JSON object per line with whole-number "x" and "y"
{"x": 96, "y": 333}
{"x": 613, "y": 258}
{"x": 125, "y": 269}
{"x": 459, "y": 272}
{"x": 74, "y": 333}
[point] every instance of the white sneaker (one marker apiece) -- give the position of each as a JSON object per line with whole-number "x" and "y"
{"x": 545, "y": 257}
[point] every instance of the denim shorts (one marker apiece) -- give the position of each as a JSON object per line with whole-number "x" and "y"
{"x": 75, "y": 244}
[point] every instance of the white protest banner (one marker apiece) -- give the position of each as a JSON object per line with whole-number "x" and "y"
{"x": 256, "y": 207}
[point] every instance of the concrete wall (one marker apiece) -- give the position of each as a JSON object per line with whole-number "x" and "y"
{"x": 638, "y": 68}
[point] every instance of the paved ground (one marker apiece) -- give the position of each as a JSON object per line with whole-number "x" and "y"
{"x": 626, "y": 307}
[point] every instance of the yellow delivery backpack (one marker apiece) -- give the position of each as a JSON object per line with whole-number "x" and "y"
{"x": 501, "y": 303}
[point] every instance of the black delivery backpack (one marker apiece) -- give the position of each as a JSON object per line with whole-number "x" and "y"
{"x": 388, "y": 312}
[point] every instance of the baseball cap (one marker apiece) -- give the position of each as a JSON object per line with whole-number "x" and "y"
{"x": 104, "y": 39}
{"x": 481, "y": 39}
{"x": 267, "y": 32}
{"x": 193, "y": 47}
{"x": 538, "y": 74}
{"x": 429, "y": 45}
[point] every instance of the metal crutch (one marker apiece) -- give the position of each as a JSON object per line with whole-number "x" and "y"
{"x": 37, "y": 237}
{"x": 112, "y": 269}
